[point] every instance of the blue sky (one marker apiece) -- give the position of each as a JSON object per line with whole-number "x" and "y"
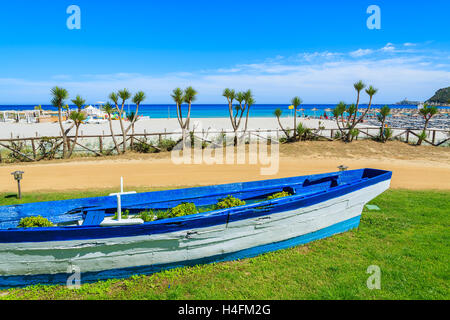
{"x": 314, "y": 49}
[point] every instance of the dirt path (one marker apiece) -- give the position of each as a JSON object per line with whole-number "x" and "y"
{"x": 408, "y": 174}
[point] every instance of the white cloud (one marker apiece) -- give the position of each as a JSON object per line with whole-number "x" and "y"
{"x": 318, "y": 77}
{"x": 389, "y": 47}
{"x": 361, "y": 52}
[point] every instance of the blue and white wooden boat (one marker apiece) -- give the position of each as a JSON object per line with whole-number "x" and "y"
{"x": 320, "y": 206}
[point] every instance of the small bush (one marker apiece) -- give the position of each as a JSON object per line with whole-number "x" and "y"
{"x": 143, "y": 147}
{"x": 125, "y": 215}
{"x": 147, "y": 216}
{"x": 183, "y": 209}
{"x": 279, "y": 195}
{"x": 35, "y": 222}
{"x": 229, "y": 202}
{"x": 167, "y": 144}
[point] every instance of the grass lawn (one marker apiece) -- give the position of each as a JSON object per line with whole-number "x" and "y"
{"x": 408, "y": 239}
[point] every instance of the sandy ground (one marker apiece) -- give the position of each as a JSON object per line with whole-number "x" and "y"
{"x": 25, "y": 130}
{"x": 415, "y": 168}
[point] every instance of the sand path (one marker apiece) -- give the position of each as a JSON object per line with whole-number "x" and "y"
{"x": 407, "y": 174}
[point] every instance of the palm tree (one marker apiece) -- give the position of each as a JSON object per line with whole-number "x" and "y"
{"x": 296, "y": 101}
{"x": 180, "y": 97}
{"x": 77, "y": 117}
{"x": 109, "y": 109}
{"x": 245, "y": 100}
{"x": 190, "y": 95}
{"x": 359, "y": 86}
{"x": 371, "y": 91}
{"x": 278, "y": 112}
{"x": 384, "y": 112}
{"x": 230, "y": 95}
{"x": 338, "y": 111}
{"x": 124, "y": 95}
{"x": 59, "y": 95}
{"x": 351, "y": 110}
{"x": 427, "y": 113}
{"x": 132, "y": 117}
{"x": 249, "y": 102}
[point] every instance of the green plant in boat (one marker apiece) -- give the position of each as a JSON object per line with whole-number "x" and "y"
{"x": 35, "y": 222}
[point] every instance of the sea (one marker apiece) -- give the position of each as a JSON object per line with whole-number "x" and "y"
{"x": 165, "y": 111}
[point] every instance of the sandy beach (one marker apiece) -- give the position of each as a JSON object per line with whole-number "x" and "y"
{"x": 24, "y": 130}
{"x": 428, "y": 169}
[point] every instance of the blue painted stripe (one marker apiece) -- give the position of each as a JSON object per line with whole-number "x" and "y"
{"x": 197, "y": 221}
{"x": 18, "y": 281}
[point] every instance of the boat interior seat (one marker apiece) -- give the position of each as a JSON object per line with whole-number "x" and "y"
{"x": 94, "y": 218}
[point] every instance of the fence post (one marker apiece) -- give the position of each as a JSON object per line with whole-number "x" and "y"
{"x": 34, "y": 148}
{"x": 434, "y": 136}
{"x": 159, "y": 138}
{"x": 100, "y": 140}
{"x": 407, "y": 136}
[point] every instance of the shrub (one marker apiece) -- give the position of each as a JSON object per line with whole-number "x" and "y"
{"x": 147, "y": 216}
{"x": 125, "y": 215}
{"x": 35, "y": 222}
{"x": 167, "y": 144}
{"x": 229, "y": 202}
{"x": 303, "y": 132}
{"x": 143, "y": 147}
{"x": 183, "y": 209}
{"x": 279, "y": 195}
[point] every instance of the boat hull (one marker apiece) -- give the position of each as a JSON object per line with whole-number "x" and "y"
{"x": 26, "y": 263}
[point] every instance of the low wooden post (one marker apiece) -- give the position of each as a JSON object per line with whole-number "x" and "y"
{"x": 34, "y": 148}
{"x": 160, "y": 138}
{"x": 100, "y": 143}
{"x": 434, "y": 137}
{"x": 407, "y": 136}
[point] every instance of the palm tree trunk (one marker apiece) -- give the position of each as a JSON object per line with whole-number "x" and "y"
{"x": 295, "y": 123}
{"x": 62, "y": 133}
{"x": 75, "y": 141}
{"x": 285, "y": 132}
{"x": 112, "y": 135}
{"x": 246, "y": 119}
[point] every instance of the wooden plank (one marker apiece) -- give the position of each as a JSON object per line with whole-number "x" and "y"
{"x": 84, "y": 147}
{"x": 18, "y": 152}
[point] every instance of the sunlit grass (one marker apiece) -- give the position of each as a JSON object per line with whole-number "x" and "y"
{"x": 408, "y": 239}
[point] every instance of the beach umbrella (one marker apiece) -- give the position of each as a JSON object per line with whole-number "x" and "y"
{"x": 301, "y": 109}
{"x": 314, "y": 109}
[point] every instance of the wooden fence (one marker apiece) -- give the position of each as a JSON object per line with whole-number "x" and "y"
{"x": 35, "y": 152}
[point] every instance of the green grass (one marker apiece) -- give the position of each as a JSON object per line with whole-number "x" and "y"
{"x": 408, "y": 239}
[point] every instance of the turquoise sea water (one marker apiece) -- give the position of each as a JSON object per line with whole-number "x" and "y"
{"x": 214, "y": 110}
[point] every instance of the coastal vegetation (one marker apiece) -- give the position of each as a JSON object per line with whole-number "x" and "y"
{"x": 442, "y": 96}
{"x": 245, "y": 101}
{"x": 427, "y": 112}
{"x": 332, "y": 268}
{"x": 385, "y": 133}
{"x": 188, "y": 96}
